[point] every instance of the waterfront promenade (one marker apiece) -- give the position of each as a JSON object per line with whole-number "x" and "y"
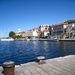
{"x": 57, "y": 66}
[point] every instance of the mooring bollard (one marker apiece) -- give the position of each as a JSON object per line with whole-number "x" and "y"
{"x": 40, "y": 59}
{"x": 8, "y": 68}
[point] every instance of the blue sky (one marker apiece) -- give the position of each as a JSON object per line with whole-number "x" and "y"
{"x": 28, "y": 14}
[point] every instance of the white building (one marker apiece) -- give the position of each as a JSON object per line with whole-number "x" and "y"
{"x": 43, "y": 27}
{"x": 18, "y": 33}
{"x": 33, "y": 33}
{"x": 45, "y": 33}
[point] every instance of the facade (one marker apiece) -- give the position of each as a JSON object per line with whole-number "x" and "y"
{"x": 27, "y": 33}
{"x": 45, "y": 33}
{"x": 71, "y": 26}
{"x": 59, "y": 28}
{"x": 67, "y": 27}
{"x": 70, "y": 30}
{"x": 43, "y": 27}
{"x": 32, "y": 32}
{"x": 18, "y": 33}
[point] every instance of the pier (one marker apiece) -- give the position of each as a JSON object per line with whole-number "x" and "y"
{"x": 57, "y": 66}
{"x": 70, "y": 39}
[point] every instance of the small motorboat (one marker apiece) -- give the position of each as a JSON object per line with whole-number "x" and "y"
{"x": 34, "y": 39}
{"x": 7, "y": 39}
{"x": 52, "y": 39}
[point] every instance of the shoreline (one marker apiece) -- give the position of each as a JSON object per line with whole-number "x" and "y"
{"x": 67, "y": 39}
{"x": 56, "y": 66}
{"x": 47, "y": 40}
{"x": 58, "y": 58}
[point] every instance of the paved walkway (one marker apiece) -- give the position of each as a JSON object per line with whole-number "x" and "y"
{"x": 57, "y": 66}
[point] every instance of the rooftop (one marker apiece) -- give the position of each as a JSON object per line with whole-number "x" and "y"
{"x": 69, "y": 21}
{"x": 64, "y": 23}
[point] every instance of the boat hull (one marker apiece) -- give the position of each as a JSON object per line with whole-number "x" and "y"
{"x": 7, "y": 39}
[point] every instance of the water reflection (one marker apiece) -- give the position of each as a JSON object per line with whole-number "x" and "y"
{"x": 27, "y": 51}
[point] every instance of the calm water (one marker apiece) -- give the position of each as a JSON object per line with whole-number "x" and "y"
{"x": 26, "y": 51}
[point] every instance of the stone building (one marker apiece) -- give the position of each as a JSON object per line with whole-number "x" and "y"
{"x": 45, "y": 29}
{"x": 66, "y": 27}
{"x": 18, "y": 33}
{"x": 33, "y": 33}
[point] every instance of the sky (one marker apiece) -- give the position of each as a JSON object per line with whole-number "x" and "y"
{"x": 28, "y": 14}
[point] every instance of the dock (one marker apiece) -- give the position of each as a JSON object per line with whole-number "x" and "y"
{"x": 56, "y": 66}
{"x": 70, "y": 39}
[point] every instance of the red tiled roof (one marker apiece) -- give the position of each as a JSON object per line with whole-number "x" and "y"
{"x": 39, "y": 33}
{"x": 60, "y": 24}
{"x": 64, "y": 23}
{"x": 69, "y": 21}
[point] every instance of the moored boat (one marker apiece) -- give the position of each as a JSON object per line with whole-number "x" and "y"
{"x": 7, "y": 39}
{"x": 27, "y": 39}
{"x": 34, "y": 39}
{"x": 52, "y": 39}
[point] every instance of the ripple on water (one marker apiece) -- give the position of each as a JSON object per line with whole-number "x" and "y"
{"x": 26, "y": 51}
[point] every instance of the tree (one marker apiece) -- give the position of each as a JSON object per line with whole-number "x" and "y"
{"x": 12, "y": 34}
{"x": 48, "y": 34}
{"x": 19, "y": 36}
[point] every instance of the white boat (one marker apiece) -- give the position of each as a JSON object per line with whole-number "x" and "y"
{"x": 52, "y": 39}
{"x": 27, "y": 39}
{"x": 34, "y": 39}
{"x": 22, "y": 39}
{"x": 7, "y": 39}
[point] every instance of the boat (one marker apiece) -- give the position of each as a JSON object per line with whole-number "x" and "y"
{"x": 27, "y": 39}
{"x": 34, "y": 39}
{"x": 7, "y": 39}
{"x": 22, "y": 39}
{"x": 52, "y": 38}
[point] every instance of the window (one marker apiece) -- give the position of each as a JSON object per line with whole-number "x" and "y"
{"x": 45, "y": 28}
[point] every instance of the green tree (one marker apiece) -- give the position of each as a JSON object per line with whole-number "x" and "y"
{"x": 48, "y": 34}
{"x": 19, "y": 36}
{"x": 61, "y": 35}
{"x": 67, "y": 34}
{"x": 12, "y": 34}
